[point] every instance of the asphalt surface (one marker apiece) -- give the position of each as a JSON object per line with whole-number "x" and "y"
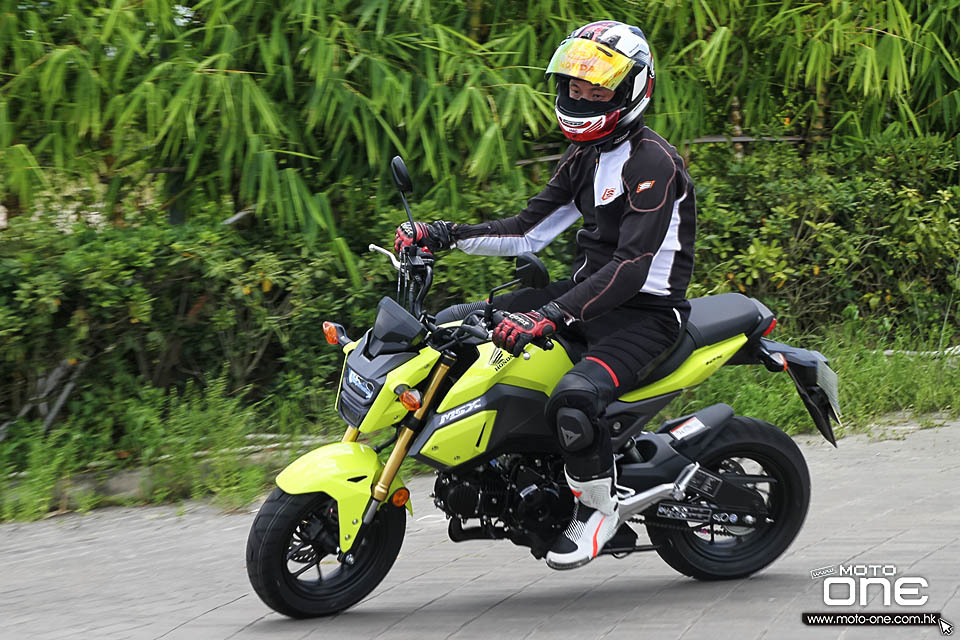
{"x": 178, "y": 572}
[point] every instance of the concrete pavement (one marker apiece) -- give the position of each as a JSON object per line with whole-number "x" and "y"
{"x": 178, "y": 572}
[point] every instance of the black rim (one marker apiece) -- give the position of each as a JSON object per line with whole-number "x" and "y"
{"x": 730, "y": 543}
{"x": 310, "y": 564}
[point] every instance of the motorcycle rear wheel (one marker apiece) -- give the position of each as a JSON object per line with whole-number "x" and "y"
{"x": 292, "y": 555}
{"x": 723, "y": 552}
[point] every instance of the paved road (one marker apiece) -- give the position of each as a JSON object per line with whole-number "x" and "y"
{"x": 162, "y": 573}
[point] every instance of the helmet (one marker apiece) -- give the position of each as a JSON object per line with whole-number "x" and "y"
{"x": 614, "y": 56}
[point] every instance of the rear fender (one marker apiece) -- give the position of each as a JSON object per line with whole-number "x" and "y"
{"x": 815, "y": 381}
{"x": 346, "y": 471}
{"x": 692, "y": 434}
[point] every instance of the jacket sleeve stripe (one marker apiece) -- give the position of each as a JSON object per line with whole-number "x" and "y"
{"x": 535, "y": 239}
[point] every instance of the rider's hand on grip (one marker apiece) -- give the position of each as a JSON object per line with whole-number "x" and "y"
{"x": 433, "y": 237}
{"x": 516, "y": 330}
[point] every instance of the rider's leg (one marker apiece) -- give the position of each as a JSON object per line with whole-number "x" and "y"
{"x": 574, "y": 408}
{"x": 622, "y": 345}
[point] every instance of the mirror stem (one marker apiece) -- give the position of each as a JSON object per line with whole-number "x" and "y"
{"x": 409, "y": 215}
{"x": 501, "y": 288}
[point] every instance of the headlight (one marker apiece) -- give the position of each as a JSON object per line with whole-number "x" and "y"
{"x": 359, "y": 384}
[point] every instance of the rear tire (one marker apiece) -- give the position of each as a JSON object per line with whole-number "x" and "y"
{"x": 741, "y": 551}
{"x": 292, "y": 554}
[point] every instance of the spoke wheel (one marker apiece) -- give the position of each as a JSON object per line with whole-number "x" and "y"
{"x": 293, "y": 551}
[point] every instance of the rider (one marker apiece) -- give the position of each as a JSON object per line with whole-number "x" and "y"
{"x": 626, "y": 297}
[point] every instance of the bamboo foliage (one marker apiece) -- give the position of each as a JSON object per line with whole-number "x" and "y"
{"x": 274, "y": 103}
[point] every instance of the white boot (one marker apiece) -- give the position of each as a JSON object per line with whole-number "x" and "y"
{"x": 595, "y": 520}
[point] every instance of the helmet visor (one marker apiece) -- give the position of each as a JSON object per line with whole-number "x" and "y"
{"x": 587, "y": 60}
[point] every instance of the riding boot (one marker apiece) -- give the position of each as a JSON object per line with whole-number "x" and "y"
{"x": 595, "y": 520}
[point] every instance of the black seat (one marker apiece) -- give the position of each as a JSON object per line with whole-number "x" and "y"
{"x": 716, "y": 318}
{"x": 712, "y": 319}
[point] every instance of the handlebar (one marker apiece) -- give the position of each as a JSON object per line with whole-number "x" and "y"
{"x": 416, "y": 272}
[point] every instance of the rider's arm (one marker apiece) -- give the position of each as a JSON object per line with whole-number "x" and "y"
{"x": 547, "y": 215}
{"x": 654, "y": 186}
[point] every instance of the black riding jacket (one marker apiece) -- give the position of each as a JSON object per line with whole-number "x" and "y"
{"x": 635, "y": 246}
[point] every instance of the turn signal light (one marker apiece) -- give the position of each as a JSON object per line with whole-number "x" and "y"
{"x": 410, "y": 399}
{"x": 773, "y": 325}
{"x": 400, "y": 497}
{"x": 330, "y": 333}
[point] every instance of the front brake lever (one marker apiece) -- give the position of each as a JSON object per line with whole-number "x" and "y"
{"x": 393, "y": 259}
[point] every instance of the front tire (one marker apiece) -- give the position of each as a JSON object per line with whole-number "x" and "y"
{"x": 722, "y": 552}
{"x": 292, "y": 554}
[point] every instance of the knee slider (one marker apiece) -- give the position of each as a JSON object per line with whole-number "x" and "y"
{"x": 574, "y": 429}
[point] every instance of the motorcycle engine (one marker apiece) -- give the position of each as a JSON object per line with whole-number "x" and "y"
{"x": 521, "y": 492}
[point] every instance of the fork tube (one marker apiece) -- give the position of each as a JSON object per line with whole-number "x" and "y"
{"x": 350, "y": 435}
{"x": 406, "y": 435}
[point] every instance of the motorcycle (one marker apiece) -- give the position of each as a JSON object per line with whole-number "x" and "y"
{"x": 720, "y": 496}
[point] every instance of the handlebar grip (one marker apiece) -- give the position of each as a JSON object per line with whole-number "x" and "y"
{"x": 478, "y": 332}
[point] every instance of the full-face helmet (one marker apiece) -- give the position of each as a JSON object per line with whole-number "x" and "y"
{"x": 612, "y": 55}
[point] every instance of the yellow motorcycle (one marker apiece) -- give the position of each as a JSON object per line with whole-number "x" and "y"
{"x": 721, "y": 496}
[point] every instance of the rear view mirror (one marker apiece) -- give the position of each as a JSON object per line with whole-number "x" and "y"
{"x": 401, "y": 177}
{"x": 531, "y": 272}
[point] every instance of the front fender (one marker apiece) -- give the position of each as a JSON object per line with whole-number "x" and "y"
{"x": 346, "y": 471}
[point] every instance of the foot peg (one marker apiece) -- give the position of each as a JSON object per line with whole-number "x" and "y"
{"x": 677, "y": 490}
{"x": 683, "y": 480}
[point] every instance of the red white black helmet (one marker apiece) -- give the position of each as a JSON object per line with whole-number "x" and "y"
{"x": 612, "y": 55}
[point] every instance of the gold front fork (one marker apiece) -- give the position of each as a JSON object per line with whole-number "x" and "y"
{"x": 406, "y": 436}
{"x": 350, "y": 435}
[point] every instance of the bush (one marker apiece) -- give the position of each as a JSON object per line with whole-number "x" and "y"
{"x": 861, "y": 229}
{"x": 140, "y": 316}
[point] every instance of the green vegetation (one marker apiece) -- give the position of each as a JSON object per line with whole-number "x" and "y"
{"x": 274, "y": 104}
{"x": 128, "y": 341}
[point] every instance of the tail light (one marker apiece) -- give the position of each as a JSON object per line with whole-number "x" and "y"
{"x": 773, "y": 325}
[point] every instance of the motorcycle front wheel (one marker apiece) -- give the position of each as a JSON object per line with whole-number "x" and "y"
{"x": 745, "y": 447}
{"x": 292, "y": 554}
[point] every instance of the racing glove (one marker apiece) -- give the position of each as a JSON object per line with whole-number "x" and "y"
{"x": 433, "y": 237}
{"x": 516, "y": 330}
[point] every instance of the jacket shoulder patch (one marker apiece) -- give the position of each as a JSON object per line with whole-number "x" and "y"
{"x": 647, "y": 184}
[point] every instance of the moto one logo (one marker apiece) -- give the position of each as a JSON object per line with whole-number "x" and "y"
{"x": 854, "y": 584}
{"x": 458, "y": 412}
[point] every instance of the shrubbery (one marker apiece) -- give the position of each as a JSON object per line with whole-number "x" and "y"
{"x": 862, "y": 229}
{"x": 862, "y": 232}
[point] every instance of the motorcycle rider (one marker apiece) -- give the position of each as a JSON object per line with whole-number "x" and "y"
{"x": 626, "y": 298}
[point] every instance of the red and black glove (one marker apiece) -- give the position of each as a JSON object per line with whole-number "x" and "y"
{"x": 516, "y": 330}
{"x": 433, "y": 237}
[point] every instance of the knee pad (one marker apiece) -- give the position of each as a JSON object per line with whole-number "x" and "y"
{"x": 575, "y": 430}
{"x": 576, "y": 391}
